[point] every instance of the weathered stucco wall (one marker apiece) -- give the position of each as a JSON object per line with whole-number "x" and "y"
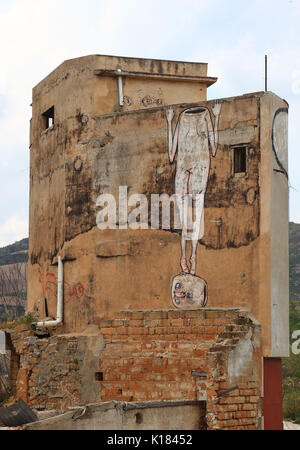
{"x": 274, "y": 259}
{"x": 95, "y": 146}
{"x": 98, "y": 94}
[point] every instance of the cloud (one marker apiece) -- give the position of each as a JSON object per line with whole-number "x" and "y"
{"x": 12, "y": 230}
{"x": 240, "y": 69}
{"x": 38, "y": 35}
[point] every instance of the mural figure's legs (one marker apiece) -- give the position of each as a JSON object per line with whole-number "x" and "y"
{"x": 182, "y": 188}
{"x": 198, "y": 228}
{"x": 193, "y": 258}
{"x": 183, "y": 262}
{"x": 192, "y": 220}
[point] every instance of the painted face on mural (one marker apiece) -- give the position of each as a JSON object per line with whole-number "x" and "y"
{"x": 189, "y": 292}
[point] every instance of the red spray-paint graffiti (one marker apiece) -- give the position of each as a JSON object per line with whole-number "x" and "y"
{"x": 48, "y": 281}
{"x": 77, "y": 292}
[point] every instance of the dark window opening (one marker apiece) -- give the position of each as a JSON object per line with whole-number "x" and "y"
{"x": 99, "y": 376}
{"x": 239, "y": 159}
{"x": 139, "y": 418}
{"x": 48, "y": 117}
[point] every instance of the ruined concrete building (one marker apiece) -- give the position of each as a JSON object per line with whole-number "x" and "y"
{"x": 144, "y": 315}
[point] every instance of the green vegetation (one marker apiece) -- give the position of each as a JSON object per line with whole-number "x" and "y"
{"x": 28, "y": 319}
{"x": 291, "y": 404}
{"x": 291, "y": 372}
{"x": 294, "y": 261}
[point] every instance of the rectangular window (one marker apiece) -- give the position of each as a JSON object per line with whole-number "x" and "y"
{"x": 239, "y": 159}
{"x": 48, "y": 118}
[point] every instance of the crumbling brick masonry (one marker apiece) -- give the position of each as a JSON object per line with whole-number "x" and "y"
{"x": 208, "y": 356}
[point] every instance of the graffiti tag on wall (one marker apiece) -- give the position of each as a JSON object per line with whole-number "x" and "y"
{"x": 48, "y": 281}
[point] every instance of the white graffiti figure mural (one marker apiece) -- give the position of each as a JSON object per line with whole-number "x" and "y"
{"x": 195, "y": 140}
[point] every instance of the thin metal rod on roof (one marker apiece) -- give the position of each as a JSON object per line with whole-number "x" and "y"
{"x": 266, "y": 73}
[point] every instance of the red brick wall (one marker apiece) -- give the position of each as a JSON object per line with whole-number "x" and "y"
{"x": 150, "y": 356}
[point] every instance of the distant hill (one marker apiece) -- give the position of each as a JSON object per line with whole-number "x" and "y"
{"x": 294, "y": 261}
{"x": 14, "y": 253}
{"x": 13, "y": 280}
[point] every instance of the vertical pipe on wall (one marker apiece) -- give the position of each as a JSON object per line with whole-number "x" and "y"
{"x": 60, "y": 287}
{"x": 120, "y": 88}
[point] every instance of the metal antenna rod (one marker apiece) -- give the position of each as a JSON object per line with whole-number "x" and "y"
{"x": 266, "y": 73}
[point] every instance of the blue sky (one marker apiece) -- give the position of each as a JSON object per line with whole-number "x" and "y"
{"x": 231, "y": 36}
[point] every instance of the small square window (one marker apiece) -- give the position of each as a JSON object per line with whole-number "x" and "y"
{"x": 99, "y": 376}
{"x": 48, "y": 117}
{"x": 239, "y": 159}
